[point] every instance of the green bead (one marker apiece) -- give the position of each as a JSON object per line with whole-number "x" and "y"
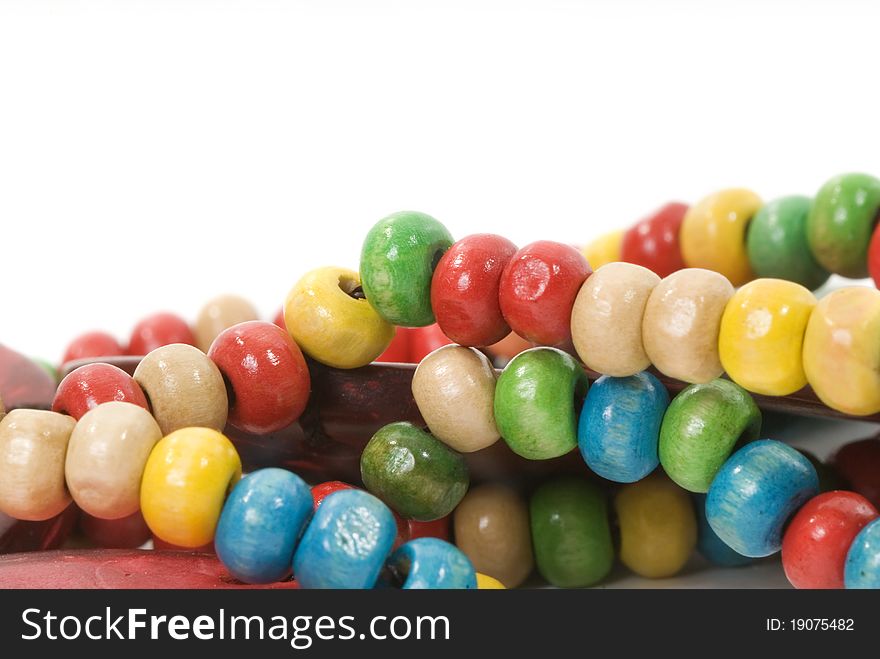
{"x": 702, "y": 426}
{"x": 537, "y": 400}
{"x": 397, "y": 262}
{"x": 841, "y": 221}
{"x": 414, "y": 472}
{"x": 777, "y": 245}
{"x": 570, "y": 532}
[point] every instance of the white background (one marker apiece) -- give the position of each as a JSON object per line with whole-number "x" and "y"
{"x": 155, "y": 154}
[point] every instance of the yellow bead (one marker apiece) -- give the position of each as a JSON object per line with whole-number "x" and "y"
{"x": 713, "y": 234}
{"x": 762, "y": 336}
{"x": 842, "y": 350}
{"x": 488, "y": 583}
{"x": 658, "y": 527}
{"x": 186, "y": 480}
{"x": 327, "y": 315}
{"x": 604, "y": 249}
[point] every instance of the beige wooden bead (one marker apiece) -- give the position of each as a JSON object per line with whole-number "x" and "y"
{"x": 219, "y": 314}
{"x": 606, "y": 320}
{"x": 492, "y": 528}
{"x": 184, "y": 388}
{"x": 33, "y": 444}
{"x": 454, "y": 388}
{"x": 681, "y": 324}
{"x": 106, "y": 456}
{"x": 2, "y": 410}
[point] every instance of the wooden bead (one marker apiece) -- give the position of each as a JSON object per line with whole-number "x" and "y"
{"x": 106, "y": 456}
{"x": 858, "y": 463}
{"x": 862, "y": 567}
{"x": 33, "y": 444}
{"x": 398, "y": 258}
{"x": 88, "y": 386}
{"x": 762, "y": 334}
{"x": 485, "y": 582}
{"x": 681, "y": 324}
{"x": 755, "y": 493}
{"x": 537, "y": 400}
{"x": 454, "y": 388}
{"x": 841, "y": 352}
{"x": 2, "y": 410}
{"x": 219, "y": 314}
{"x": 570, "y": 533}
{"x": 329, "y": 318}
{"x": 658, "y": 530}
{"x": 653, "y": 242}
{"x": 819, "y": 536}
{"x": 492, "y": 527}
{"x": 713, "y": 234}
{"x": 777, "y": 243}
{"x": 840, "y": 223}
{"x": 125, "y": 533}
{"x": 710, "y": 546}
{"x": 432, "y": 564}
{"x": 606, "y": 320}
{"x": 702, "y": 426}
{"x": 604, "y": 249}
{"x": 185, "y": 482}
{"x": 91, "y": 345}
{"x": 160, "y": 329}
{"x": 184, "y": 388}
{"x": 414, "y": 472}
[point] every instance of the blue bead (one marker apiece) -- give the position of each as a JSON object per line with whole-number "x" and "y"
{"x": 431, "y": 563}
{"x": 619, "y": 426}
{"x": 862, "y": 567}
{"x": 261, "y": 523}
{"x": 710, "y": 546}
{"x": 347, "y": 542}
{"x": 755, "y": 493}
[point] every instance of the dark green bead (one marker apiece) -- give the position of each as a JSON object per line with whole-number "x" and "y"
{"x": 777, "y": 244}
{"x": 841, "y": 221}
{"x": 537, "y": 400}
{"x": 570, "y": 532}
{"x": 702, "y": 426}
{"x": 397, "y": 262}
{"x": 414, "y": 472}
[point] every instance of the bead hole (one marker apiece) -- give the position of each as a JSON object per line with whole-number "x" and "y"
{"x": 352, "y": 288}
{"x": 435, "y": 260}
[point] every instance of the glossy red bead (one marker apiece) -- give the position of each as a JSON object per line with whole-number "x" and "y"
{"x": 267, "y": 375}
{"x": 653, "y": 241}
{"x": 874, "y": 256}
{"x": 438, "y": 528}
{"x": 398, "y": 350}
{"x": 425, "y": 340}
{"x": 538, "y": 288}
{"x": 819, "y": 536}
{"x": 124, "y": 533}
{"x": 279, "y": 319}
{"x": 88, "y": 386}
{"x": 322, "y": 490}
{"x": 92, "y": 344}
{"x": 464, "y": 289}
{"x": 859, "y": 465}
{"x": 160, "y": 329}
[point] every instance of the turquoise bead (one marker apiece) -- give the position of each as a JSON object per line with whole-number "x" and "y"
{"x": 619, "y": 426}
{"x": 260, "y": 524}
{"x": 431, "y": 563}
{"x": 755, "y": 493}
{"x": 862, "y": 567}
{"x": 397, "y": 264}
{"x": 777, "y": 245}
{"x": 537, "y": 399}
{"x": 710, "y": 546}
{"x": 347, "y": 542}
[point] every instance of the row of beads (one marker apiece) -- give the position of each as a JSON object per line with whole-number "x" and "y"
{"x": 732, "y": 232}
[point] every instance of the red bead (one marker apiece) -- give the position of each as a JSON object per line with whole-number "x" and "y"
{"x": 92, "y": 344}
{"x": 88, "y": 386}
{"x": 23, "y": 382}
{"x": 464, "y": 289}
{"x": 653, "y": 241}
{"x": 818, "y": 538}
{"x": 538, "y": 288}
{"x": 279, "y": 319}
{"x": 438, "y": 528}
{"x": 125, "y": 533}
{"x": 425, "y": 340}
{"x": 859, "y": 465}
{"x": 267, "y": 374}
{"x": 322, "y": 490}
{"x": 398, "y": 350}
{"x": 160, "y": 329}
{"x": 21, "y": 536}
{"x": 874, "y": 256}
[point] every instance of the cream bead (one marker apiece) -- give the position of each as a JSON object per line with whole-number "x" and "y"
{"x": 606, "y": 320}
{"x": 219, "y": 314}
{"x": 454, "y": 388}
{"x": 106, "y": 456}
{"x": 682, "y": 321}
{"x": 184, "y": 388}
{"x": 33, "y": 444}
